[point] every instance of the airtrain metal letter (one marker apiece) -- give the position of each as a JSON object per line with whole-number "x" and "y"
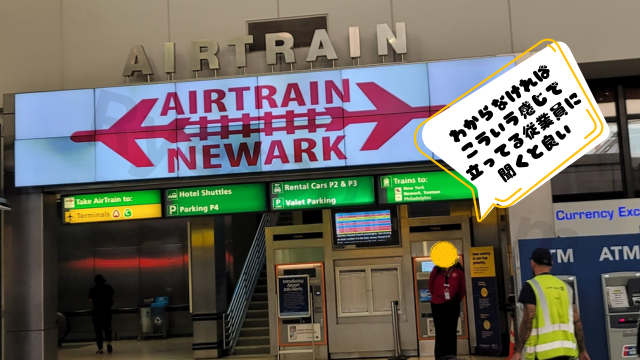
{"x": 398, "y": 42}
{"x": 204, "y": 50}
{"x": 137, "y": 61}
{"x": 241, "y": 42}
{"x": 286, "y": 49}
{"x": 169, "y": 57}
{"x": 354, "y": 42}
{"x": 320, "y": 37}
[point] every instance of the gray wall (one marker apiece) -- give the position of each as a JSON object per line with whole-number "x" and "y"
{"x": 66, "y": 44}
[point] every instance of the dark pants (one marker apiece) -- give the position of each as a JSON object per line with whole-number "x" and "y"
{"x": 102, "y": 323}
{"x": 445, "y": 320}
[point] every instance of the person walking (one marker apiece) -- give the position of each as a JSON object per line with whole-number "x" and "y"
{"x": 447, "y": 288}
{"x": 101, "y": 296}
{"x": 551, "y": 326}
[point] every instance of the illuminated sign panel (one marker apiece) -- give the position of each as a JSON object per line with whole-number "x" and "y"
{"x": 47, "y": 114}
{"x": 215, "y": 200}
{"x": 118, "y": 206}
{"x": 315, "y": 119}
{"x": 419, "y": 187}
{"x": 324, "y": 193}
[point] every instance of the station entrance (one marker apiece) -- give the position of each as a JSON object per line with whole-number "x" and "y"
{"x": 220, "y": 258}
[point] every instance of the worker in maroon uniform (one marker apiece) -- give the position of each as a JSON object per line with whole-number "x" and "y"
{"x": 447, "y": 288}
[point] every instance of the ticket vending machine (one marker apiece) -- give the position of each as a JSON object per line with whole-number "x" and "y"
{"x": 621, "y": 292}
{"x": 299, "y": 332}
{"x": 422, "y": 267}
{"x": 572, "y": 281}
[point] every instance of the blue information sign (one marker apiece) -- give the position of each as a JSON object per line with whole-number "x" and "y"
{"x": 293, "y": 296}
{"x": 485, "y": 301}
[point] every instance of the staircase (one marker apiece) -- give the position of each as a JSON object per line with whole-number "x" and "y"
{"x": 247, "y": 318}
{"x": 254, "y": 335}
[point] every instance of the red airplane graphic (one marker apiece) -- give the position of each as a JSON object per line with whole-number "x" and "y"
{"x": 390, "y": 116}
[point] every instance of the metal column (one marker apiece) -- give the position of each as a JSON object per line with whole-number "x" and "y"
{"x": 29, "y": 279}
{"x": 208, "y": 285}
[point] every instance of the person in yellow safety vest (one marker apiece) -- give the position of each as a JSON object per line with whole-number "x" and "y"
{"x": 551, "y": 328}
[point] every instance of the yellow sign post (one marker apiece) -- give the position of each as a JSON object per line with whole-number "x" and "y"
{"x": 113, "y": 213}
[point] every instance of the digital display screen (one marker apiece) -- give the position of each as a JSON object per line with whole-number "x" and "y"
{"x": 427, "y": 266}
{"x": 279, "y": 122}
{"x": 364, "y": 229}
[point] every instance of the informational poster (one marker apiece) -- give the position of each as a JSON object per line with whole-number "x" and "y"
{"x": 485, "y": 301}
{"x": 353, "y": 291}
{"x": 617, "y": 296}
{"x": 304, "y": 333}
{"x": 385, "y": 286}
{"x": 293, "y": 296}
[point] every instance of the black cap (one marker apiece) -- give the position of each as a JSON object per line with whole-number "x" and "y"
{"x": 542, "y": 256}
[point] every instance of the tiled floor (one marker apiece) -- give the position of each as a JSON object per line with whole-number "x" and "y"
{"x": 170, "y": 349}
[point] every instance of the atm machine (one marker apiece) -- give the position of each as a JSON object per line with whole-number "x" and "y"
{"x": 422, "y": 267}
{"x": 621, "y": 292}
{"x": 299, "y": 331}
{"x": 572, "y": 281}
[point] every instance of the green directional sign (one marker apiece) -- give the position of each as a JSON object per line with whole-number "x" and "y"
{"x": 215, "y": 200}
{"x": 324, "y": 193}
{"x": 418, "y": 187}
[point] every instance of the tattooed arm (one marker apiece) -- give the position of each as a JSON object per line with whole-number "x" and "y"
{"x": 577, "y": 324}
{"x": 525, "y": 327}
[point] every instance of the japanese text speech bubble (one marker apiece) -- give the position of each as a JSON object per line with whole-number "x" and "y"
{"x": 519, "y": 130}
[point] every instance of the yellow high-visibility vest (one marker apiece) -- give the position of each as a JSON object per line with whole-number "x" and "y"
{"x": 552, "y": 334}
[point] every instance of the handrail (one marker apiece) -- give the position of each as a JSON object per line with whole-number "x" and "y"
{"x": 247, "y": 283}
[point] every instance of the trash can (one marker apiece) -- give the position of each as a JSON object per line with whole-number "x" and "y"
{"x": 145, "y": 318}
{"x": 159, "y": 316}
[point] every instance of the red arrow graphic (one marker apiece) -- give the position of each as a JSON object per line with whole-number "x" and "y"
{"x": 390, "y": 116}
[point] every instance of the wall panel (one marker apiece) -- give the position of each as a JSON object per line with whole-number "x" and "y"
{"x": 97, "y": 37}
{"x": 594, "y": 30}
{"x": 341, "y": 15}
{"x": 454, "y": 29}
{"x": 30, "y": 36}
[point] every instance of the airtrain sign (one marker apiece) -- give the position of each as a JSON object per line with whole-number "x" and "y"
{"x": 269, "y": 123}
{"x": 277, "y": 43}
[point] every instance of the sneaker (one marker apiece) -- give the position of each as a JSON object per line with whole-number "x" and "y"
{"x": 109, "y": 348}
{"x": 99, "y": 352}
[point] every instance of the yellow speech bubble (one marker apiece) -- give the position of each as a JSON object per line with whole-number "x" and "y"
{"x": 519, "y": 193}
